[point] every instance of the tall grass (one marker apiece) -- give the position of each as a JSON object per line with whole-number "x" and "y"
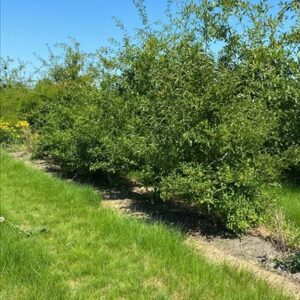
{"x": 76, "y": 249}
{"x": 289, "y": 200}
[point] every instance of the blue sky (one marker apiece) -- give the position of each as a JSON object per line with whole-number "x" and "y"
{"x": 28, "y": 25}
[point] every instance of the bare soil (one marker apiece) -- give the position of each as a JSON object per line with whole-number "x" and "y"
{"x": 248, "y": 252}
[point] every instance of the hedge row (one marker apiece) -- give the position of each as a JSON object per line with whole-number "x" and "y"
{"x": 206, "y": 112}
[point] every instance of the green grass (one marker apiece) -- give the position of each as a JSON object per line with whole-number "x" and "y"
{"x": 289, "y": 200}
{"x": 88, "y": 252}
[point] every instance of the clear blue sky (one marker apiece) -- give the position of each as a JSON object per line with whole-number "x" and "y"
{"x": 28, "y": 25}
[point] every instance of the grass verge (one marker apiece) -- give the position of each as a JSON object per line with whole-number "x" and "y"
{"x": 76, "y": 249}
{"x": 289, "y": 200}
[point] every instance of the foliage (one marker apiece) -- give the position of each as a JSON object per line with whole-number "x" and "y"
{"x": 12, "y": 73}
{"x": 205, "y": 111}
{"x": 15, "y": 87}
{"x": 291, "y": 263}
{"x": 10, "y": 101}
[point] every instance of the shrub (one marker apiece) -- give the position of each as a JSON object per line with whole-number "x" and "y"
{"x": 202, "y": 126}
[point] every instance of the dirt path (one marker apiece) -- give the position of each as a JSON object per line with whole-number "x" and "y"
{"x": 248, "y": 252}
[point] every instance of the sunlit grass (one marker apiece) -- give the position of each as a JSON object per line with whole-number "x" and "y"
{"x": 79, "y": 250}
{"x": 289, "y": 200}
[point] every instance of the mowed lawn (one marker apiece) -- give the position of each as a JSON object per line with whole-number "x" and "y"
{"x": 79, "y": 250}
{"x": 289, "y": 200}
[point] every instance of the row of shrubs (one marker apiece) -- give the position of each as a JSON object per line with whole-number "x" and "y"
{"x": 205, "y": 112}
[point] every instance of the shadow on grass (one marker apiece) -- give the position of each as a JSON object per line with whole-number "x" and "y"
{"x": 134, "y": 199}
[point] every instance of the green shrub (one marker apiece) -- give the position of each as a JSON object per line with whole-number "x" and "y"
{"x": 202, "y": 126}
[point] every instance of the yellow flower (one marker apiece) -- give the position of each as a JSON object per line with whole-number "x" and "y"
{"x": 22, "y": 124}
{"x": 4, "y": 126}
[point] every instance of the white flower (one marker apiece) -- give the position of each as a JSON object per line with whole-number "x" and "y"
{"x": 2, "y": 219}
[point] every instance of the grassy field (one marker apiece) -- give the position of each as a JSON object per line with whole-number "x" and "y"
{"x": 289, "y": 200}
{"x": 78, "y": 250}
